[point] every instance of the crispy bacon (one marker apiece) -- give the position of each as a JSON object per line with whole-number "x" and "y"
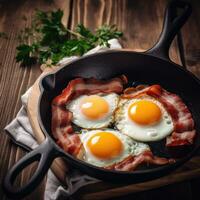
{"x": 184, "y": 132}
{"x": 133, "y": 92}
{"x": 61, "y": 118}
{"x": 80, "y": 86}
{"x": 181, "y": 115}
{"x": 132, "y": 162}
{"x": 184, "y": 138}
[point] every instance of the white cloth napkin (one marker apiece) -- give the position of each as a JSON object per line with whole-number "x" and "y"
{"x": 21, "y": 132}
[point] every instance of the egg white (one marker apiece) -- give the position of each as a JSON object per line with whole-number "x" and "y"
{"x": 80, "y": 120}
{"x": 130, "y": 147}
{"x": 143, "y": 133}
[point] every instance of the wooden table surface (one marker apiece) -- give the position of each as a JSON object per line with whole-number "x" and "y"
{"x": 141, "y": 22}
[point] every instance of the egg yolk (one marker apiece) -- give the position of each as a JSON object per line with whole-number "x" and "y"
{"x": 144, "y": 112}
{"x": 94, "y": 107}
{"x": 105, "y": 145}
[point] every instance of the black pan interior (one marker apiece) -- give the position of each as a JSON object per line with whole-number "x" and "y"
{"x": 140, "y": 69}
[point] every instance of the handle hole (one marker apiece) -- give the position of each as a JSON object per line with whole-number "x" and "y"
{"x": 29, "y": 171}
{"x": 180, "y": 11}
{"x": 172, "y": 51}
{"x": 48, "y": 82}
{"x": 25, "y": 170}
{"x": 25, "y": 175}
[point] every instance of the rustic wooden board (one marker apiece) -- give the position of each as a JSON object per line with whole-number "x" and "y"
{"x": 141, "y": 22}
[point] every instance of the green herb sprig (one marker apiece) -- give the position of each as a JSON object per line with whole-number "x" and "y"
{"x": 51, "y": 40}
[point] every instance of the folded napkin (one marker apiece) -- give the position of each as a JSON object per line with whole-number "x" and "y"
{"x": 22, "y": 134}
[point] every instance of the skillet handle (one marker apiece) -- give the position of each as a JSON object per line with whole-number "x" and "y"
{"x": 173, "y": 21}
{"x": 45, "y": 154}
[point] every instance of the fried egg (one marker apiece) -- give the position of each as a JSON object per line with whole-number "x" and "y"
{"x": 107, "y": 146}
{"x": 93, "y": 111}
{"x": 143, "y": 119}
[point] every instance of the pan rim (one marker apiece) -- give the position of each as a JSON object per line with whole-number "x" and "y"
{"x": 111, "y": 51}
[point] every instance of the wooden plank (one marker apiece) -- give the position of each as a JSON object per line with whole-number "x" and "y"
{"x": 14, "y": 80}
{"x": 141, "y": 22}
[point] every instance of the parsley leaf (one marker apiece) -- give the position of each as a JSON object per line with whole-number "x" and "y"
{"x": 25, "y": 54}
{"x": 51, "y": 41}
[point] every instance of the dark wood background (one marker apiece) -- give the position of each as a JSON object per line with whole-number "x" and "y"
{"x": 141, "y": 22}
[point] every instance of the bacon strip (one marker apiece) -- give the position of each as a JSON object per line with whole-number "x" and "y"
{"x": 80, "y": 86}
{"x": 184, "y": 138}
{"x": 184, "y": 132}
{"x": 61, "y": 118}
{"x": 182, "y": 117}
{"x": 132, "y": 162}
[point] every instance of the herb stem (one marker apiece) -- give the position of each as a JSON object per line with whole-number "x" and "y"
{"x": 75, "y": 33}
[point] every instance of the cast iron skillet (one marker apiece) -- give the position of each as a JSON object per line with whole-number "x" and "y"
{"x": 151, "y": 67}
